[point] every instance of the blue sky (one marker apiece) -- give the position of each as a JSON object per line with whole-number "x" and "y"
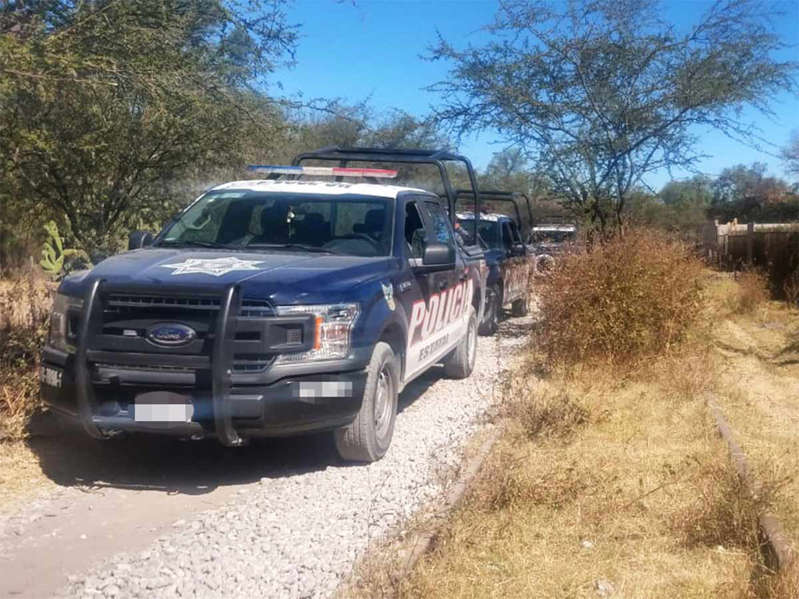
{"x": 367, "y": 48}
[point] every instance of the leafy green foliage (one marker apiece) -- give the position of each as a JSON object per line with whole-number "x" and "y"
{"x": 106, "y": 106}
{"x": 748, "y": 194}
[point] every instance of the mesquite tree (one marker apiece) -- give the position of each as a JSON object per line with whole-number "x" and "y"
{"x": 106, "y": 104}
{"x": 598, "y": 93}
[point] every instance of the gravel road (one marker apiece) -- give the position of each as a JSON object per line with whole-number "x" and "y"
{"x": 294, "y": 530}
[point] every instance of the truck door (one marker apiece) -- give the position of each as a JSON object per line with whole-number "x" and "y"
{"x": 435, "y": 300}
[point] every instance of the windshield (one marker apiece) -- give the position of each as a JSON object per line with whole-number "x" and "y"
{"x": 553, "y": 236}
{"x": 349, "y": 224}
{"x": 487, "y": 230}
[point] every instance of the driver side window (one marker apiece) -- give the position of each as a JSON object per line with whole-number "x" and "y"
{"x": 514, "y": 231}
{"x": 414, "y": 231}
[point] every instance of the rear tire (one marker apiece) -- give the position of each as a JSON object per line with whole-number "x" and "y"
{"x": 368, "y": 437}
{"x": 519, "y": 307}
{"x": 461, "y": 363}
{"x": 493, "y": 307}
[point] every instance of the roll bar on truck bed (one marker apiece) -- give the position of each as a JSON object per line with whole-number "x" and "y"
{"x": 515, "y": 198}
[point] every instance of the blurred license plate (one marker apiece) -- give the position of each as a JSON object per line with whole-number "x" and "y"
{"x": 163, "y": 412}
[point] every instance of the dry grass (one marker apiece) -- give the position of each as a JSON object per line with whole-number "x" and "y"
{"x": 790, "y": 287}
{"x": 750, "y": 293}
{"x": 621, "y": 302}
{"x": 24, "y": 312}
{"x": 552, "y": 416}
{"x": 613, "y": 482}
{"x": 633, "y": 499}
{"x": 757, "y": 356}
{"x": 723, "y": 511}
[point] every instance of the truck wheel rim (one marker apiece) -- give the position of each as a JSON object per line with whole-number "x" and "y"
{"x": 383, "y": 402}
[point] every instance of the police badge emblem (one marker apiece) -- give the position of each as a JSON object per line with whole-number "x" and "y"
{"x": 215, "y": 266}
{"x": 388, "y": 293}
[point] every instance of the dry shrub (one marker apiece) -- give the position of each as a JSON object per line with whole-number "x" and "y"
{"x": 621, "y": 301}
{"x": 785, "y": 584}
{"x": 543, "y": 415}
{"x": 751, "y": 292}
{"x": 790, "y": 287}
{"x": 684, "y": 375}
{"x": 507, "y": 480}
{"x": 24, "y": 313}
{"x": 724, "y": 512}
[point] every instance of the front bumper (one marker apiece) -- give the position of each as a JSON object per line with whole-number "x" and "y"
{"x": 289, "y": 406}
{"x": 208, "y": 399}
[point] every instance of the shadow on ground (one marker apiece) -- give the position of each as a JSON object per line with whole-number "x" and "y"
{"x": 167, "y": 464}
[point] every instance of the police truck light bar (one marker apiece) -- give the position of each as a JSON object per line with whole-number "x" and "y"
{"x": 323, "y": 171}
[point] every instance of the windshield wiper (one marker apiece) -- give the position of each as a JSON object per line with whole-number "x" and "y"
{"x": 200, "y": 244}
{"x": 290, "y": 246}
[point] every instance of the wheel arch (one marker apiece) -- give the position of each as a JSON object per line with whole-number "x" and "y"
{"x": 394, "y": 335}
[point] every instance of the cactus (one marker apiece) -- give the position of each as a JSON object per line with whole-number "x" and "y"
{"x": 53, "y": 252}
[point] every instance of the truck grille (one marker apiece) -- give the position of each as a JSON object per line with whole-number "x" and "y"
{"x": 126, "y": 318}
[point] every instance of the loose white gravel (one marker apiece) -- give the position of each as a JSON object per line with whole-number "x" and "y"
{"x": 300, "y": 534}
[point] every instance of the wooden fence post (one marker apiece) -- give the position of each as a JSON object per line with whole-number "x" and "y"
{"x": 750, "y": 240}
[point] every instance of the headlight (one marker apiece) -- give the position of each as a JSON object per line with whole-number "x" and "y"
{"x": 332, "y": 331}
{"x": 64, "y": 321}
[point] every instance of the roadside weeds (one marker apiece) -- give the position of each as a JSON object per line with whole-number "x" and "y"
{"x": 605, "y": 483}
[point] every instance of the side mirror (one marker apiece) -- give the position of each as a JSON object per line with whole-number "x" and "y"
{"x": 139, "y": 239}
{"x": 438, "y": 256}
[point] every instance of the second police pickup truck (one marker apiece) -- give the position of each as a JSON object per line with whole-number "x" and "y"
{"x": 509, "y": 260}
{"x": 273, "y": 307}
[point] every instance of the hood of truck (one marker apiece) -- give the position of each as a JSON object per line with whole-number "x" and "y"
{"x": 282, "y": 277}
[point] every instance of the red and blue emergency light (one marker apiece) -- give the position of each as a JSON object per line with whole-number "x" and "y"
{"x": 323, "y": 171}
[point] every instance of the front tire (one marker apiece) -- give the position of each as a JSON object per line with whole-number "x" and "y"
{"x": 368, "y": 437}
{"x": 461, "y": 363}
{"x": 519, "y": 307}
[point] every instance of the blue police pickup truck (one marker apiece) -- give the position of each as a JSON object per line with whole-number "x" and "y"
{"x": 272, "y": 307}
{"x": 509, "y": 260}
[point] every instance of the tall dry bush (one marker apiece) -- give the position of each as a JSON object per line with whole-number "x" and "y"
{"x": 24, "y": 315}
{"x": 751, "y": 292}
{"x": 621, "y": 301}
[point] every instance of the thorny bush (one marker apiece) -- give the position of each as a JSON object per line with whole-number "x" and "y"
{"x": 621, "y": 301}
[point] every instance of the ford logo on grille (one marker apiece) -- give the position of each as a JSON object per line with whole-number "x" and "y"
{"x": 171, "y": 334}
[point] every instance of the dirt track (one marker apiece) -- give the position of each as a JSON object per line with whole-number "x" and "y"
{"x": 141, "y": 516}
